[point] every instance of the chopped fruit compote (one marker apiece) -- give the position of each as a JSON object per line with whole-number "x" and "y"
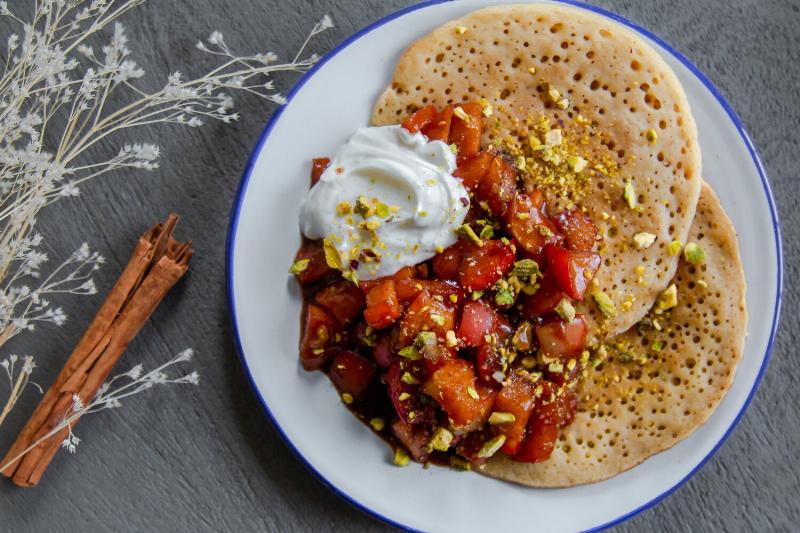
{"x": 477, "y": 350}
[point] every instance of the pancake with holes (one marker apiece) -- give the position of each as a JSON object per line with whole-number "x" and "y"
{"x": 661, "y": 380}
{"x": 591, "y": 115}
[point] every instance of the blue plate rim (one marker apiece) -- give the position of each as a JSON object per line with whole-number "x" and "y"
{"x": 246, "y": 174}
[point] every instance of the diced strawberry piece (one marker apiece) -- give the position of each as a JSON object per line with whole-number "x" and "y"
{"x": 409, "y": 289}
{"x": 572, "y": 271}
{"x": 465, "y": 133}
{"x": 447, "y": 264}
{"x": 343, "y": 299}
{"x": 403, "y": 273}
{"x": 415, "y": 439}
{"x": 473, "y": 171}
{"x": 425, "y": 314}
{"x": 317, "y": 266}
{"x": 539, "y": 442}
{"x": 558, "y": 338}
{"x": 420, "y": 119}
{"x": 351, "y": 372}
{"x": 489, "y": 357}
{"x": 318, "y": 338}
{"x": 383, "y": 309}
{"x": 476, "y": 322}
{"x": 471, "y": 443}
{"x": 439, "y": 129}
{"x": 518, "y": 398}
{"x": 318, "y": 166}
{"x": 467, "y": 402}
{"x": 405, "y": 393}
{"x": 498, "y": 186}
{"x": 578, "y": 229}
{"x": 382, "y": 352}
{"x": 483, "y": 266}
{"x": 528, "y": 224}
{"x": 544, "y": 300}
{"x": 560, "y": 412}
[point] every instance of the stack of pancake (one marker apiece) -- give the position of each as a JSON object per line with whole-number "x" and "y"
{"x": 658, "y": 374}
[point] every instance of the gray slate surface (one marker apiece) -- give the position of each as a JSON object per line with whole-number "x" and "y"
{"x": 205, "y": 458}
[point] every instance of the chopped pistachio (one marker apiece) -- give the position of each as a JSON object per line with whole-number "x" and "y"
{"x": 585, "y": 356}
{"x": 576, "y": 163}
{"x": 544, "y": 230}
{"x": 377, "y": 424}
{"x": 486, "y": 107}
{"x": 534, "y": 142}
{"x": 299, "y": 266}
{"x": 466, "y": 231}
{"x": 651, "y": 136}
{"x": 459, "y": 463}
{"x": 497, "y": 418}
{"x": 401, "y": 456}
{"x": 438, "y": 319}
{"x": 666, "y": 300}
{"x": 454, "y": 298}
{"x": 347, "y": 398}
{"x": 476, "y": 294}
{"x": 461, "y": 30}
{"x": 565, "y": 310}
{"x": 526, "y": 269}
{"x": 363, "y": 208}
{"x": 604, "y": 303}
{"x": 408, "y": 379}
{"x": 487, "y": 232}
{"x": 404, "y": 396}
{"x": 553, "y": 93}
{"x": 553, "y": 137}
{"x": 460, "y": 113}
{"x": 344, "y": 208}
{"x": 382, "y": 210}
{"x": 555, "y": 367}
{"x": 410, "y": 352}
{"x": 318, "y": 351}
{"x": 454, "y": 148}
{"x": 491, "y": 446}
{"x": 629, "y": 195}
{"x": 530, "y": 290}
{"x": 528, "y": 362}
{"x": 473, "y": 393}
{"x": 331, "y": 254}
{"x": 562, "y": 103}
{"x": 425, "y": 339}
{"x": 644, "y": 240}
{"x": 441, "y": 439}
{"x": 504, "y": 297}
{"x": 674, "y": 247}
{"x": 657, "y": 346}
{"x": 450, "y": 338}
{"x": 351, "y": 275}
{"x": 693, "y": 253}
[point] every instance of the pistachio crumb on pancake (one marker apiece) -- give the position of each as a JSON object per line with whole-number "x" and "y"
{"x": 591, "y": 114}
{"x": 664, "y": 377}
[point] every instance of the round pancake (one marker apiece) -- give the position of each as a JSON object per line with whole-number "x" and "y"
{"x": 624, "y": 110}
{"x": 642, "y": 400}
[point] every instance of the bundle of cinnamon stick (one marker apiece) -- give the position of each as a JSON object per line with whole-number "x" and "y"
{"x": 157, "y": 263}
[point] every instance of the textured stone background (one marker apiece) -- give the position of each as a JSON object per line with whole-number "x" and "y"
{"x": 206, "y": 458}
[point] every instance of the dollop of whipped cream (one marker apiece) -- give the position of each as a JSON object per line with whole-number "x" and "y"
{"x": 387, "y": 200}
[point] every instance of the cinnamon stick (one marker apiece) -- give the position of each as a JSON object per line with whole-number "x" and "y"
{"x": 156, "y": 265}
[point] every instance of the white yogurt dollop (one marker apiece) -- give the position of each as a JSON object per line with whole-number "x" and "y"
{"x": 415, "y": 204}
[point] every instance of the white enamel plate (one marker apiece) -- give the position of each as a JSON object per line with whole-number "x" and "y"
{"x": 325, "y": 108}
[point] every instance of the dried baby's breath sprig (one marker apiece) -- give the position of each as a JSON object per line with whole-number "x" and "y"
{"x": 68, "y": 82}
{"x": 110, "y": 396}
{"x": 18, "y": 379}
